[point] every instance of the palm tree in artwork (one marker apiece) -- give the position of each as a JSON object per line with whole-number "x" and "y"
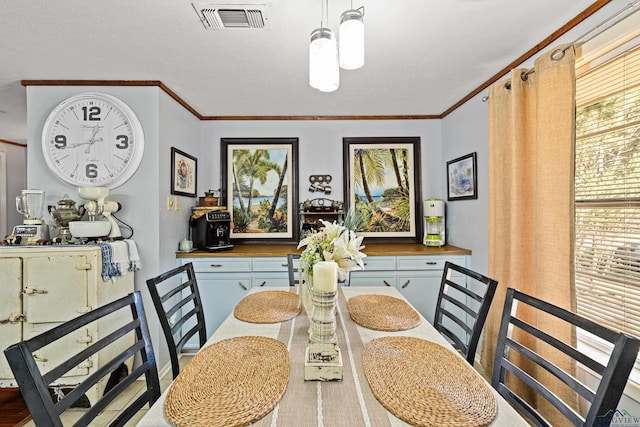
{"x": 256, "y": 166}
{"x": 276, "y": 196}
{"x": 371, "y": 167}
{"x": 239, "y": 157}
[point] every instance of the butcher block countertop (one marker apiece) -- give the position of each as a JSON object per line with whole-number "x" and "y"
{"x": 374, "y": 249}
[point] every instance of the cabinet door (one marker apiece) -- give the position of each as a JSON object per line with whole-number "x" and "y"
{"x": 55, "y": 288}
{"x": 10, "y": 308}
{"x": 378, "y": 271}
{"x": 57, "y": 352}
{"x": 220, "y": 293}
{"x": 421, "y": 289}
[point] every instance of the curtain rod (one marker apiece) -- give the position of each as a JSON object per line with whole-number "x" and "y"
{"x": 558, "y": 54}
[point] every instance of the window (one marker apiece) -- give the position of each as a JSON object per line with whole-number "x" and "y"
{"x": 607, "y": 193}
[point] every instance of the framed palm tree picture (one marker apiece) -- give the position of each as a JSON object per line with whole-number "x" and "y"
{"x": 382, "y": 183}
{"x": 259, "y": 183}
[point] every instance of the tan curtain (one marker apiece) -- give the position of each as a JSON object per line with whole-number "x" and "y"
{"x": 531, "y": 158}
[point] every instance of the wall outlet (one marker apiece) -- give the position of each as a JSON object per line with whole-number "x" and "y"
{"x": 169, "y": 203}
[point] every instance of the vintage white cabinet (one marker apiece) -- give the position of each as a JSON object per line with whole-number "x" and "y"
{"x": 42, "y": 287}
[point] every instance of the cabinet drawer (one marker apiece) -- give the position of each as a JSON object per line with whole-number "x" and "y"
{"x": 270, "y": 279}
{"x": 213, "y": 265}
{"x": 379, "y": 263}
{"x": 373, "y": 278}
{"x": 427, "y": 262}
{"x": 270, "y": 264}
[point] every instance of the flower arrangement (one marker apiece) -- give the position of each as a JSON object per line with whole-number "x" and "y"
{"x": 334, "y": 242}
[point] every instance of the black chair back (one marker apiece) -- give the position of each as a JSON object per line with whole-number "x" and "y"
{"x": 132, "y": 335}
{"x": 462, "y": 307}
{"x": 293, "y": 261}
{"x": 602, "y": 400}
{"x": 178, "y": 304}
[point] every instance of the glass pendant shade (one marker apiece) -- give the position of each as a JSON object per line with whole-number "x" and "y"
{"x": 351, "y": 39}
{"x": 324, "y": 71}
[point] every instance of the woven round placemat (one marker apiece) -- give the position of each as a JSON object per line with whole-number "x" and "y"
{"x": 233, "y": 382}
{"x": 425, "y": 384}
{"x": 268, "y": 307}
{"x": 382, "y": 313}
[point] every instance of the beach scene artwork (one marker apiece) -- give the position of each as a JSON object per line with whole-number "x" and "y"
{"x": 259, "y": 181}
{"x": 382, "y": 188}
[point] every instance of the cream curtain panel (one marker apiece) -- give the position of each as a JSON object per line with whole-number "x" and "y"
{"x": 531, "y": 171}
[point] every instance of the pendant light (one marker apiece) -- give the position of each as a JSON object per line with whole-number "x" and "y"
{"x": 351, "y": 35}
{"x": 324, "y": 70}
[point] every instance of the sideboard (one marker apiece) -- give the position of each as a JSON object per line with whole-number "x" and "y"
{"x": 224, "y": 278}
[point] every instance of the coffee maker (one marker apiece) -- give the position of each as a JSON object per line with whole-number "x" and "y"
{"x": 210, "y": 231}
{"x": 434, "y": 224}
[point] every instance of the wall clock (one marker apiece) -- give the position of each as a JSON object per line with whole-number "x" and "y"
{"x": 93, "y": 139}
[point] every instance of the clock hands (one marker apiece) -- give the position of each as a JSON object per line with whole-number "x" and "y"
{"x": 91, "y": 140}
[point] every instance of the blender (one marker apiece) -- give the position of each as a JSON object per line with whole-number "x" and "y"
{"x": 30, "y": 203}
{"x": 434, "y": 232}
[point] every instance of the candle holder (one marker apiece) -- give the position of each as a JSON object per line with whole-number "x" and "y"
{"x": 323, "y": 360}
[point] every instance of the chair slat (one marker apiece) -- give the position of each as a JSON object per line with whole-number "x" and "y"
{"x": 455, "y": 289}
{"x": 34, "y": 384}
{"x": 614, "y": 375}
{"x": 183, "y": 287}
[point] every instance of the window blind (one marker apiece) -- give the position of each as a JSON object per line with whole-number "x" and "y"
{"x": 607, "y": 193}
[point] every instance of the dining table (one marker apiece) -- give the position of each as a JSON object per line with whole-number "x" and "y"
{"x": 348, "y": 402}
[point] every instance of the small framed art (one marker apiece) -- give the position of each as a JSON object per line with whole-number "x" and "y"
{"x": 184, "y": 173}
{"x": 462, "y": 178}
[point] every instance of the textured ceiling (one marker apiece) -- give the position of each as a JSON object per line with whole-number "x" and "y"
{"x": 422, "y": 57}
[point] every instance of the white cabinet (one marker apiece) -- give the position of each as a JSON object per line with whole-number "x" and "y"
{"x": 222, "y": 282}
{"x": 270, "y": 271}
{"x": 45, "y": 286}
{"x": 378, "y": 271}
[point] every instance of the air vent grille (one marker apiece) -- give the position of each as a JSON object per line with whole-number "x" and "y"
{"x": 219, "y": 16}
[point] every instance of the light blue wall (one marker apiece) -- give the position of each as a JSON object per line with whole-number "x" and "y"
{"x": 320, "y": 147}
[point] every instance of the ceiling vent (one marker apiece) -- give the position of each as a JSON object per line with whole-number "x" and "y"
{"x": 222, "y": 16}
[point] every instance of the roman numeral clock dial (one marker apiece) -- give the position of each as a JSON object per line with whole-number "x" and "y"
{"x": 93, "y": 139}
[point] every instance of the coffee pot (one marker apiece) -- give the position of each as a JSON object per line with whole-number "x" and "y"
{"x": 62, "y": 213}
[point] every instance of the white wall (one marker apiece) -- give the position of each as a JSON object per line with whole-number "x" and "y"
{"x": 320, "y": 147}
{"x": 16, "y": 180}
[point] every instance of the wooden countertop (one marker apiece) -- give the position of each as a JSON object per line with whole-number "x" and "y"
{"x": 374, "y": 249}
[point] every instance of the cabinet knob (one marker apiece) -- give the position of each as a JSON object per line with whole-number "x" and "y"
{"x": 40, "y": 359}
{"x": 431, "y": 263}
{"x": 263, "y": 283}
{"x": 242, "y": 286}
{"x": 216, "y": 265}
{"x": 386, "y": 283}
{"x": 406, "y": 284}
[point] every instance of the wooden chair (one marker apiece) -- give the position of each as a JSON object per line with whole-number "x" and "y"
{"x": 602, "y": 400}
{"x": 462, "y": 307}
{"x": 178, "y": 304}
{"x": 293, "y": 260}
{"x": 35, "y": 385}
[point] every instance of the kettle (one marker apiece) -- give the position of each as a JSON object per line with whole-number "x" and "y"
{"x": 65, "y": 211}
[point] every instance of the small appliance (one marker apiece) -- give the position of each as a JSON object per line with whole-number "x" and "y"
{"x": 30, "y": 203}
{"x": 62, "y": 213}
{"x": 96, "y": 206}
{"x": 210, "y": 232}
{"x": 434, "y": 222}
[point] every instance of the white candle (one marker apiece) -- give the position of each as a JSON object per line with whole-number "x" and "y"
{"x": 325, "y": 276}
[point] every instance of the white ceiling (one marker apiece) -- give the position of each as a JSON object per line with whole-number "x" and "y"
{"x": 422, "y": 56}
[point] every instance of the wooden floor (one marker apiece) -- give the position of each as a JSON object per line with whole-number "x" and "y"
{"x": 14, "y": 411}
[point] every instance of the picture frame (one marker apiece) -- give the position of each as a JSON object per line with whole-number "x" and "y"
{"x": 392, "y": 203}
{"x": 184, "y": 173}
{"x": 462, "y": 178}
{"x": 267, "y": 170}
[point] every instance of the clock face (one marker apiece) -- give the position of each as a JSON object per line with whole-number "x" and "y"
{"x": 93, "y": 139}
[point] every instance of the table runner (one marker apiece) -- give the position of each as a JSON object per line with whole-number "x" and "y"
{"x": 339, "y": 403}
